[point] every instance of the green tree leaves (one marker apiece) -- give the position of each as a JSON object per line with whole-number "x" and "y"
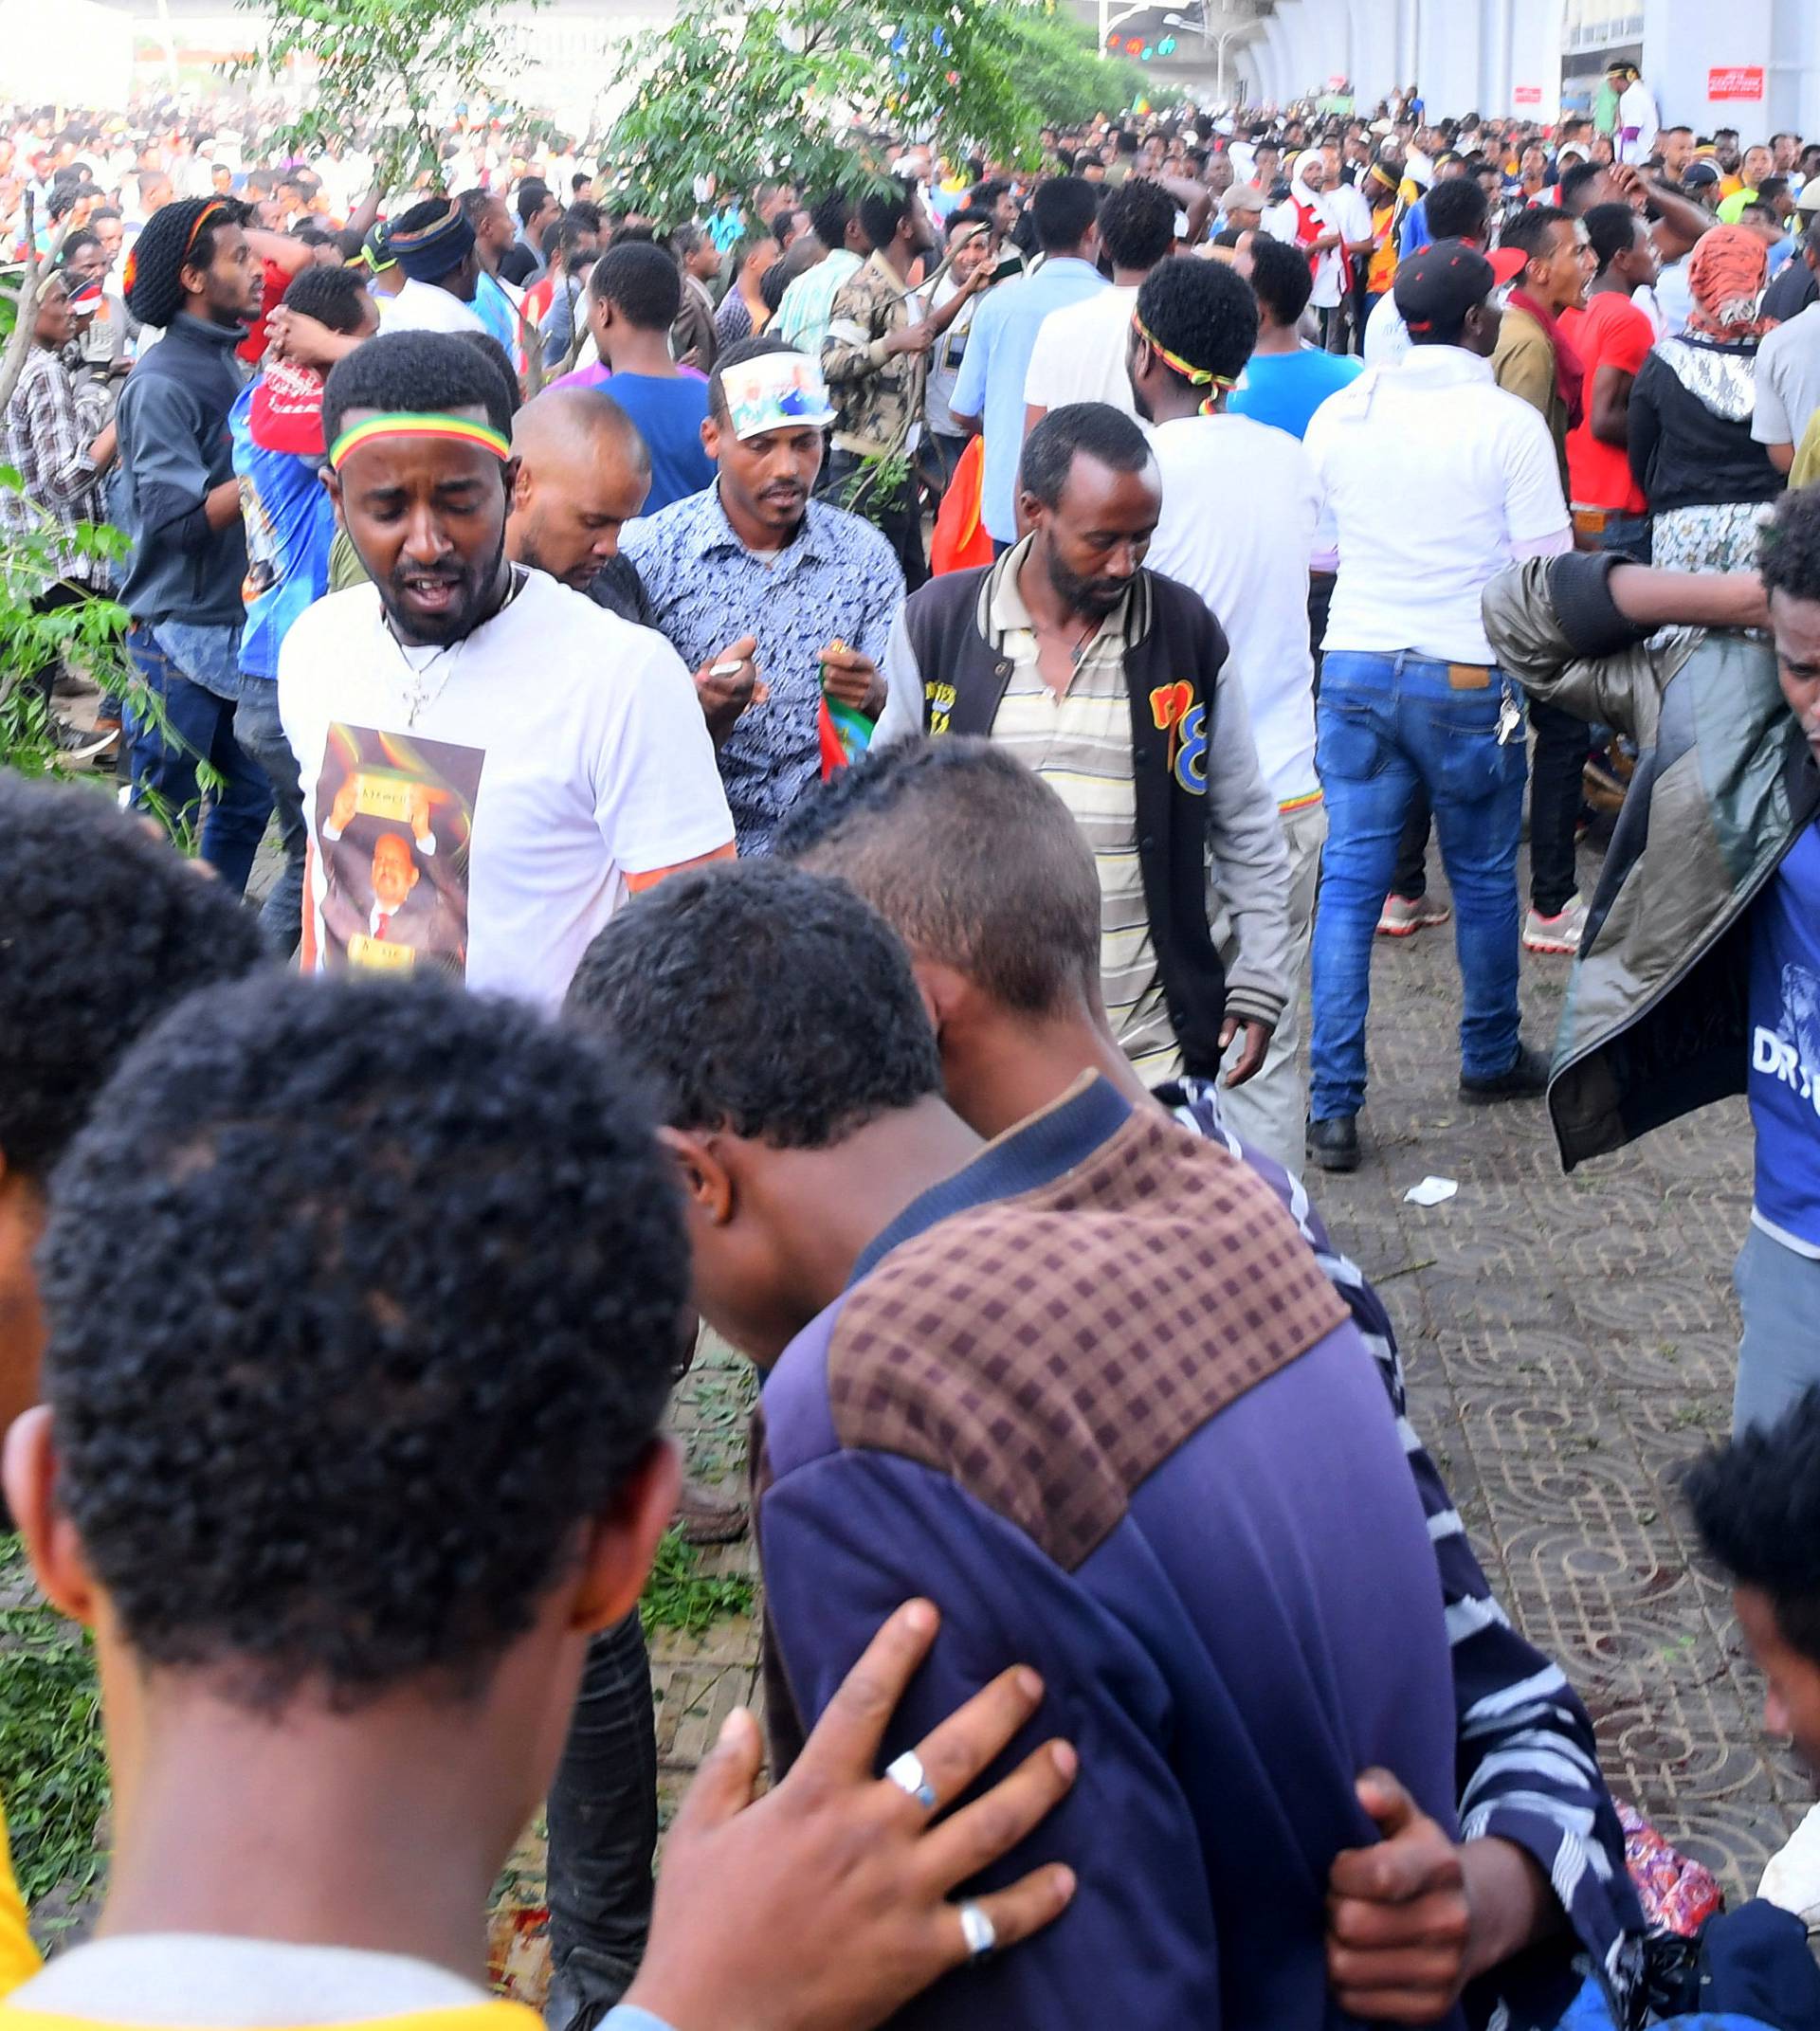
{"x": 389, "y": 67}
{"x": 786, "y": 90}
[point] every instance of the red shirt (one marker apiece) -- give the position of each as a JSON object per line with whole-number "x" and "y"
{"x": 252, "y": 348}
{"x": 1610, "y": 332}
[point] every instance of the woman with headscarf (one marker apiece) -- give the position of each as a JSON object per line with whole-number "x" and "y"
{"x": 1710, "y": 486}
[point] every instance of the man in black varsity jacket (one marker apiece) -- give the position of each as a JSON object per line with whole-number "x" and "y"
{"x": 1106, "y": 679}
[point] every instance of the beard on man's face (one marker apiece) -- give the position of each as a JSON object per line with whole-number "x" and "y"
{"x": 1093, "y": 599}
{"x": 440, "y": 603}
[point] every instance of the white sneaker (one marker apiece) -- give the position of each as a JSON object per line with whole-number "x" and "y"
{"x": 1403, "y": 915}
{"x": 1792, "y": 1878}
{"x": 1561, "y": 934}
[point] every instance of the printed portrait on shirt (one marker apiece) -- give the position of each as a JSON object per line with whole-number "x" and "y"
{"x": 395, "y": 823}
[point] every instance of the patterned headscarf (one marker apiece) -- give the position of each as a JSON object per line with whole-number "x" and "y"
{"x": 1725, "y": 273}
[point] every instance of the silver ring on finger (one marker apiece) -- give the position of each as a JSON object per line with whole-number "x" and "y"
{"x": 907, "y": 1773}
{"x": 977, "y": 1930}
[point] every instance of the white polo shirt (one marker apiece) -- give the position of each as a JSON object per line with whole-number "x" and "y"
{"x": 1436, "y": 479}
{"x": 521, "y": 775}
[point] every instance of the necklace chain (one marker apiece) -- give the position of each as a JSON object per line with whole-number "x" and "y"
{"x": 419, "y": 693}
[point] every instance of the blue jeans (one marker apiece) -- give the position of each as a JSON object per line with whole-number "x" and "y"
{"x": 1387, "y": 725}
{"x": 1778, "y": 1358}
{"x": 260, "y": 736}
{"x": 198, "y": 726}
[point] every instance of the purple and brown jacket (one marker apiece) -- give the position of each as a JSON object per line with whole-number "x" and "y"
{"x": 1096, "y": 1399}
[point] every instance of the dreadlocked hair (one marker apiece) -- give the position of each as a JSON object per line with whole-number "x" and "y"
{"x": 177, "y": 236}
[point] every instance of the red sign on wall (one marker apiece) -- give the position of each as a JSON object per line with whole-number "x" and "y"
{"x": 1736, "y": 80}
{"x": 1527, "y": 95}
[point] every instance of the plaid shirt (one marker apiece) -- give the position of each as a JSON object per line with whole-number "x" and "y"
{"x": 47, "y": 440}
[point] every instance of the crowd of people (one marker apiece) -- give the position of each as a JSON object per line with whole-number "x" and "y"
{"x": 824, "y": 753}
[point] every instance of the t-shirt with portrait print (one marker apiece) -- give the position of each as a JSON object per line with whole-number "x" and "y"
{"x": 502, "y": 791}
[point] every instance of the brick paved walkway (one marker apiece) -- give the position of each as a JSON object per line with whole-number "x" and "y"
{"x": 1570, "y": 1342}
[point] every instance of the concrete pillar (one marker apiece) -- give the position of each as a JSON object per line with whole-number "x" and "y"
{"x": 1374, "y": 30}
{"x": 1272, "y": 68}
{"x": 1524, "y": 52}
{"x": 1301, "y": 47}
{"x": 1794, "y": 75}
{"x": 1449, "y": 41}
{"x": 1256, "y": 65}
{"x": 1684, "y": 41}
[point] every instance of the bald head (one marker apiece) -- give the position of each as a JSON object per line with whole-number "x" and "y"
{"x": 577, "y": 422}
{"x": 583, "y": 472}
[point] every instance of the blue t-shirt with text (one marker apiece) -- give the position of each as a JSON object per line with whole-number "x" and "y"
{"x": 1785, "y": 1044}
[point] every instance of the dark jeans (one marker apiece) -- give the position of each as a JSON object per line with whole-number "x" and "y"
{"x": 603, "y": 1833}
{"x": 1555, "y": 796}
{"x": 898, "y": 521}
{"x": 61, "y": 594}
{"x": 258, "y": 730}
{"x": 1410, "y": 880}
{"x": 1320, "y": 603}
{"x": 196, "y": 726}
{"x": 1629, "y": 536}
{"x": 1557, "y": 787}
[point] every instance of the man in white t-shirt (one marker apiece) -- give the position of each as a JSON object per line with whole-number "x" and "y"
{"x": 536, "y": 758}
{"x": 1079, "y": 353}
{"x": 1240, "y": 509}
{"x": 1437, "y": 479}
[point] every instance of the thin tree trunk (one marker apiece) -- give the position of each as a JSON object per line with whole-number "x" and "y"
{"x": 12, "y": 362}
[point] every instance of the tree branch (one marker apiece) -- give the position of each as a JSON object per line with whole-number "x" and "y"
{"x": 12, "y": 364}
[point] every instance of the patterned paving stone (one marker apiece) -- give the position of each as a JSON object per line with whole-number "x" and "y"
{"x": 1571, "y": 1343}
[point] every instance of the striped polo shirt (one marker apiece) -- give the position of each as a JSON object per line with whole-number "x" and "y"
{"x": 1080, "y": 744}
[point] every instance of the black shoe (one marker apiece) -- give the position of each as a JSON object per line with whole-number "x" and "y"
{"x": 1334, "y": 1145}
{"x": 1526, "y": 1078}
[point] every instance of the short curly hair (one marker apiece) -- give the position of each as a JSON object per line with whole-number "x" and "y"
{"x": 1138, "y": 223}
{"x": 175, "y": 237}
{"x": 1790, "y": 554}
{"x": 417, "y": 371}
{"x": 409, "y": 1276}
{"x": 761, "y": 999}
{"x": 1203, "y": 312}
{"x": 102, "y": 929}
{"x": 1755, "y": 1503}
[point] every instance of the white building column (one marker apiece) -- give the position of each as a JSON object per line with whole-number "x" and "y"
{"x": 1448, "y": 40}
{"x": 1272, "y": 66}
{"x": 1301, "y": 47}
{"x": 1374, "y": 30}
{"x": 1684, "y": 43}
{"x": 1530, "y": 59}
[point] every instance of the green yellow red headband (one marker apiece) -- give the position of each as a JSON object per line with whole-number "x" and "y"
{"x": 1195, "y": 376}
{"x": 418, "y": 423}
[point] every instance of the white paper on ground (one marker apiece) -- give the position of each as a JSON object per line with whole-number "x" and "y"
{"x": 1431, "y": 1191}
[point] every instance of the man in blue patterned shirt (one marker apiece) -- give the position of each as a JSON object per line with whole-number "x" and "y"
{"x": 816, "y": 587}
